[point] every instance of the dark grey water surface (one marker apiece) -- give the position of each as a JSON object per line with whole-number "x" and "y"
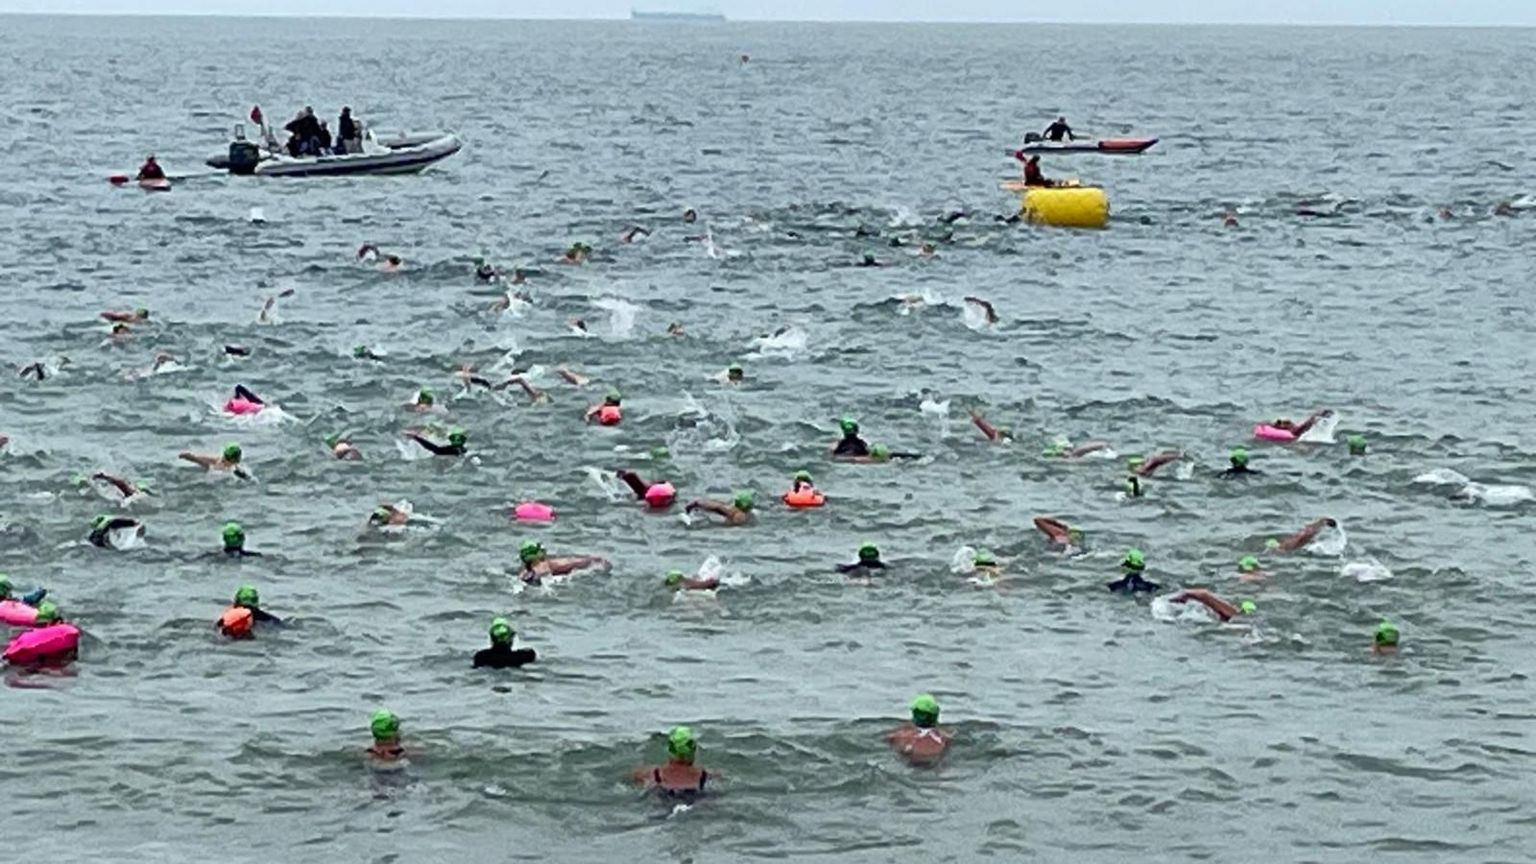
{"x": 1087, "y": 728}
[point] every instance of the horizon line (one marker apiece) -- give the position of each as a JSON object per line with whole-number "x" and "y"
{"x": 606, "y": 19}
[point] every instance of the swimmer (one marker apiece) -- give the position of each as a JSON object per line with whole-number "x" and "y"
{"x": 578, "y": 253}
{"x": 342, "y": 448}
{"x": 572, "y": 378}
{"x": 501, "y": 655}
{"x": 103, "y": 526}
{"x": 679, "y": 778}
{"x": 921, "y": 741}
{"x": 1146, "y": 467}
{"x": 367, "y": 253}
{"x": 690, "y": 216}
{"x": 657, "y": 496}
{"x": 675, "y": 329}
{"x": 1504, "y": 208}
{"x": 607, "y": 413}
{"x": 1133, "y": 487}
{"x": 363, "y": 352}
{"x": 385, "y": 727}
{"x": 120, "y": 332}
{"x": 1239, "y": 462}
{"x": 630, "y": 234}
{"x": 1248, "y": 570}
{"x": 234, "y": 542}
{"x": 850, "y": 444}
{"x": 1063, "y": 451}
{"x": 535, "y": 395}
{"x": 878, "y": 454}
{"x": 869, "y": 261}
{"x": 1305, "y": 535}
{"x": 237, "y": 351}
{"x": 993, "y": 433}
{"x": 36, "y": 371}
{"x": 466, "y": 374}
{"x": 738, "y": 512}
{"x": 676, "y": 581}
{"x": 458, "y": 442}
{"x": 869, "y": 559}
{"x": 124, "y": 488}
{"x": 485, "y": 272}
{"x": 1132, "y": 583}
{"x": 228, "y": 460}
{"x": 1229, "y": 220}
{"x": 1059, "y": 533}
{"x": 1300, "y": 429}
{"x": 243, "y": 401}
{"x": 1385, "y": 641}
{"x": 388, "y": 514}
{"x": 733, "y": 374}
{"x": 537, "y": 564}
{"x": 161, "y": 361}
{"x": 1356, "y": 445}
{"x": 927, "y": 250}
{"x": 984, "y": 563}
{"x": 986, "y": 308}
{"x": 1221, "y": 608}
{"x": 137, "y": 316}
{"x": 425, "y": 400}
{"x": 32, "y": 598}
{"x": 240, "y": 625}
{"x": 265, "y": 315}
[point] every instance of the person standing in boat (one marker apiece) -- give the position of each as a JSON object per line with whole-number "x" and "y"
{"x": 1058, "y": 130}
{"x": 346, "y": 133}
{"x": 151, "y": 169}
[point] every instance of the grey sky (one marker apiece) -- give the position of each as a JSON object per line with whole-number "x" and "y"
{"x": 1416, "y": 12}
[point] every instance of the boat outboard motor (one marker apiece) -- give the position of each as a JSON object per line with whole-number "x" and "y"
{"x": 243, "y": 154}
{"x": 1032, "y": 137}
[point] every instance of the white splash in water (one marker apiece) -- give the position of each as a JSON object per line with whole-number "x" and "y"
{"x": 1367, "y": 570}
{"x": 974, "y": 317}
{"x": 1329, "y": 541}
{"x": 936, "y": 411}
{"x": 621, "y": 316}
{"x": 1321, "y": 431}
{"x": 608, "y": 484}
{"x": 786, "y": 342}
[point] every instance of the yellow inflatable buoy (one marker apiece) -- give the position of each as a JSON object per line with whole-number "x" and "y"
{"x": 1066, "y": 207}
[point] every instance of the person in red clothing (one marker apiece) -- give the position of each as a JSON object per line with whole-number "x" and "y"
{"x": 151, "y": 169}
{"x": 1032, "y": 175}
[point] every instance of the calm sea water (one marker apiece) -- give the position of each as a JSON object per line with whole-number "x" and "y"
{"x": 1088, "y": 728}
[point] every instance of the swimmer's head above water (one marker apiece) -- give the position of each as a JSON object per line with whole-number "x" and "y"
{"x": 682, "y": 746}
{"x": 869, "y": 553}
{"x": 1386, "y": 636}
{"x": 1135, "y": 561}
{"x": 1248, "y": 564}
{"x": 247, "y": 597}
{"x": 925, "y": 711}
{"x": 234, "y": 537}
{"x": 384, "y": 726}
{"x": 501, "y": 632}
{"x": 1238, "y": 457}
{"x": 742, "y": 501}
{"x": 531, "y": 552}
{"x": 232, "y": 453}
{"x": 457, "y": 436}
{"x": 673, "y": 578}
{"x": 849, "y": 427}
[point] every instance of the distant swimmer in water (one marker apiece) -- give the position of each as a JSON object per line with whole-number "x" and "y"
{"x": 537, "y": 564}
{"x": 387, "y": 262}
{"x": 677, "y": 581}
{"x": 1239, "y": 466}
{"x": 733, "y": 374}
{"x": 986, "y": 308}
{"x": 675, "y": 330}
{"x": 137, "y": 316}
{"x": 927, "y": 250}
{"x": 1504, "y": 208}
{"x": 1059, "y": 533}
{"x": 425, "y": 400}
{"x": 1386, "y": 638}
{"x": 1066, "y": 451}
{"x": 265, "y": 315}
{"x": 1357, "y": 445}
{"x": 1229, "y": 220}
{"x": 850, "y": 444}
{"x": 243, "y": 402}
{"x": 868, "y": 561}
{"x": 228, "y": 460}
{"x": 1248, "y": 569}
{"x": 363, "y": 352}
{"x": 1134, "y": 565}
{"x": 869, "y": 261}
{"x": 103, "y": 527}
{"x": 388, "y": 515}
{"x": 123, "y": 487}
{"x": 921, "y": 741}
{"x": 342, "y": 448}
{"x": 534, "y": 394}
{"x": 657, "y": 496}
{"x": 984, "y": 563}
{"x": 458, "y": 442}
{"x": 632, "y": 233}
{"x": 994, "y": 434}
{"x": 1219, "y": 607}
{"x": 577, "y": 253}
{"x": 609, "y": 412}
{"x": 1306, "y": 535}
{"x": 501, "y": 654}
{"x": 385, "y": 727}
{"x": 486, "y": 272}
{"x": 237, "y": 351}
{"x": 1299, "y": 429}
{"x": 680, "y": 778}
{"x": 240, "y": 619}
{"x": 579, "y": 326}
{"x": 738, "y": 512}
{"x": 37, "y": 371}
{"x": 150, "y": 170}
{"x": 690, "y": 216}
{"x": 1133, "y": 486}
{"x": 233, "y": 536}
{"x": 120, "y": 332}
{"x": 1058, "y": 130}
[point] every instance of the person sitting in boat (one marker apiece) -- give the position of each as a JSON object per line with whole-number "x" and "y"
{"x": 151, "y": 169}
{"x": 1056, "y": 131}
{"x": 304, "y": 132}
{"x": 1032, "y": 175}
{"x": 347, "y": 133}
{"x": 324, "y": 139}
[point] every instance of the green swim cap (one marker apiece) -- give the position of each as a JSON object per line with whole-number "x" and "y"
{"x": 1004, "y": 432}
{"x": 424, "y": 396}
{"x": 1271, "y": 544}
{"x": 99, "y": 521}
{"x": 660, "y": 453}
{"x": 1356, "y": 445}
{"x": 1134, "y": 462}
{"x": 234, "y": 535}
{"x": 849, "y": 426}
{"x": 47, "y": 613}
{"x": 232, "y": 453}
{"x": 869, "y": 552}
{"x": 681, "y": 744}
{"x": 674, "y": 578}
{"x": 734, "y": 370}
{"x": 1386, "y": 633}
{"x": 803, "y": 477}
{"x": 384, "y": 725}
{"x": 381, "y": 514}
{"x": 1075, "y": 535}
{"x": 332, "y": 440}
{"x": 612, "y": 398}
{"x": 984, "y": 559}
{"x": 141, "y": 312}
{"x": 359, "y": 350}
{"x": 925, "y": 710}
{"x": 880, "y": 451}
{"x": 1248, "y": 607}
{"x": 743, "y": 501}
{"x": 1247, "y": 564}
{"x": 457, "y": 436}
{"x": 1054, "y": 451}
{"x": 1134, "y": 560}
{"x": 501, "y": 632}
{"x": 1239, "y": 457}
{"x": 246, "y": 595}
{"x": 530, "y": 551}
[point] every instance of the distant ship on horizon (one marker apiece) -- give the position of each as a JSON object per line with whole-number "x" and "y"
{"x": 714, "y": 16}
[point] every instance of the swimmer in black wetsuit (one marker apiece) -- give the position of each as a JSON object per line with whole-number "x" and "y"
{"x": 1133, "y": 583}
{"x": 234, "y": 542}
{"x": 456, "y": 446}
{"x": 102, "y": 528}
{"x": 679, "y": 778}
{"x": 850, "y": 444}
{"x": 869, "y": 560}
{"x": 501, "y": 655}
{"x": 1239, "y": 469}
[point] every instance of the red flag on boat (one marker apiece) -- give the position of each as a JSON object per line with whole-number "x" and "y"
{"x": 256, "y": 114}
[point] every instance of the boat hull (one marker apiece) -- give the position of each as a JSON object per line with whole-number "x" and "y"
{"x": 395, "y": 141}
{"x": 408, "y": 160}
{"x": 1105, "y": 146}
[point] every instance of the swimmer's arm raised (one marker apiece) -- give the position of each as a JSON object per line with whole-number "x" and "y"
{"x": 123, "y": 486}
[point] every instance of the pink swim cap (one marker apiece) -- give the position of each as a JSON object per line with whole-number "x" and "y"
{"x": 533, "y": 511}
{"x": 660, "y": 495}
